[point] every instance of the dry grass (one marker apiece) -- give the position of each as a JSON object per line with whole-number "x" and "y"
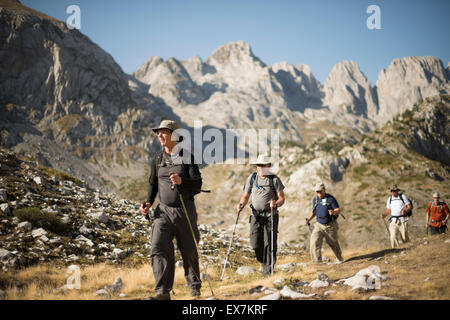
{"x": 407, "y": 269}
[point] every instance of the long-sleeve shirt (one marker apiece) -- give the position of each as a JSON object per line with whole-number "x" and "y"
{"x": 159, "y": 180}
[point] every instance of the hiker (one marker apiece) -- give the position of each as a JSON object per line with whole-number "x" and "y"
{"x": 399, "y": 207}
{"x": 265, "y": 190}
{"x": 437, "y": 215}
{"x": 326, "y": 210}
{"x": 169, "y": 178}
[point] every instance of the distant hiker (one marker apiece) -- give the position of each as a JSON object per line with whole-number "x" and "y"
{"x": 265, "y": 190}
{"x": 169, "y": 218}
{"x": 326, "y": 210}
{"x": 437, "y": 215}
{"x": 398, "y": 206}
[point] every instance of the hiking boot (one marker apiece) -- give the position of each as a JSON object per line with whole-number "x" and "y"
{"x": 265, "y": 272}
{"x": 160, "y": 296}
{"x": 195, "y": 293}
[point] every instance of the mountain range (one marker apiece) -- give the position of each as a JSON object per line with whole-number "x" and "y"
{"x": 65, "y": 103}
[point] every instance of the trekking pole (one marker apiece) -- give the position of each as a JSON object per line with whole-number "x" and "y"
{"x": 193, "y": 235}
{"x": 229, "y": 246}
{"x": 271, "y": 240}
{"x": 389, "y": 233}
{"x": 309, "y": 226}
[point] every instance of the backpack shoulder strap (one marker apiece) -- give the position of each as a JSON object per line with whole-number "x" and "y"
{"x": 316, "y": 204}
{"x": 158, "y": 160}
{"x": 272, "y": 186}
{"x": 252, "y": 181}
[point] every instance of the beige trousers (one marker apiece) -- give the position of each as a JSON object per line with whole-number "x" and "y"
{"x": 398, "y": 231}
{"x": 330, "y": 233}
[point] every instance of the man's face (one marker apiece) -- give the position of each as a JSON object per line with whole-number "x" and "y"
{"x": 263, "y": 169}
{"x": 321, "y": 193}
{"x": 436, "y": 200}
{"x": 164, "y": 136}
{"x": 394, "y": 193}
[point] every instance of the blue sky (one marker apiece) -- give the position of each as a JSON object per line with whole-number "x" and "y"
{"x": 318, "y": 33}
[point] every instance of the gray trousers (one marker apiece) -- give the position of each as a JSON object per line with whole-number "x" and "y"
{"x": 260, "y": 239}
{"x": 171, "y": 222}
{"x": 330, "y": 233}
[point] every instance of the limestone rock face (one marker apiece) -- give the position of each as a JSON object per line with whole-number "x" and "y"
{"x": 300, "y": 87}
{"x": 430, "y": 132}
{"x": 59, "y": 87}
{"x": 348, "y": 90}
{"x": 407, "y": 81}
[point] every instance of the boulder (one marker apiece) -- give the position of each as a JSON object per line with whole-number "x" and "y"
{"x": 5, "y": 254}
{"x": 366, "y": 279}
{"x": 287, "y": 292}
{"x": 245, "y": 270}
{"x": 3, "y": 195}
{"x": 5, "y": 208}
{"x": 273, "y": 296}
{"x": 116, "y": 286}
{"x": 25, "y": 225}
{"x": 38, "y": 233}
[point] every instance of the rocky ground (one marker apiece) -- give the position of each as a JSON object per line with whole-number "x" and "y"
{"x": 47, "y": 215}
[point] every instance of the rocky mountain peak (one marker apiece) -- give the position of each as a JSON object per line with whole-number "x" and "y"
{"x": 146, "y": 69}
{"x": 236, "y": 54}
{"x": 347, "y": 89}
{"x": 407, "y": 81}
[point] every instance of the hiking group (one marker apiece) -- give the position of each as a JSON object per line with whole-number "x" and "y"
{"x": 176, "y": 183}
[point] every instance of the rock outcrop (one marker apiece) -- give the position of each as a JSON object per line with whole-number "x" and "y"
{"x": 58, "y": 85}
{"x": 407, "y": 81}
{"x": 347, "y": 90}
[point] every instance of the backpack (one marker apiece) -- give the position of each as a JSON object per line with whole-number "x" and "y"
{"x": 441, "y": 204}
{"x": 329, "y": 207}
{"x": 271, "y": 184}
{"x": 408, "y": 213}
{"x": 195, "y": 191}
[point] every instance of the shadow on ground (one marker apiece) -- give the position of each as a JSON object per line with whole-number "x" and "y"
{"x": 375, "y": 255}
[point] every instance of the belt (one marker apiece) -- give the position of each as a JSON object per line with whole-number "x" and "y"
{"x": 261, "y": 213}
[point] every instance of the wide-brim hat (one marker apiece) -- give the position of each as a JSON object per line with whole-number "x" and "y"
{"x": 394, "y": 188}
{"x": 320, "y": 187}
{"x": 262, "y": 159}
{"x": 167, "y": 124}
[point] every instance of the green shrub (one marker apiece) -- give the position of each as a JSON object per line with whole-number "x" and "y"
{"x": 361, "y": 170}
{"x": 41, "y": 219}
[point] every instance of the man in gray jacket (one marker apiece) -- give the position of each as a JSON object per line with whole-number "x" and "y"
{"x": 266, "y": 192}
{"x": 171, "y": 179}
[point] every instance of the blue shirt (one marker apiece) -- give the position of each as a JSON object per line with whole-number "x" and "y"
{"x": 329, "y": 202}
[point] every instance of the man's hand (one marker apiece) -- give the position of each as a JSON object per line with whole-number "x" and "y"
{"x": 273, "y": 203}
{"x": 383, "y": 215}
{"x": 239, "y": 207}
{"x": 175, "y": 178}
{"x": 144, "y": 210}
